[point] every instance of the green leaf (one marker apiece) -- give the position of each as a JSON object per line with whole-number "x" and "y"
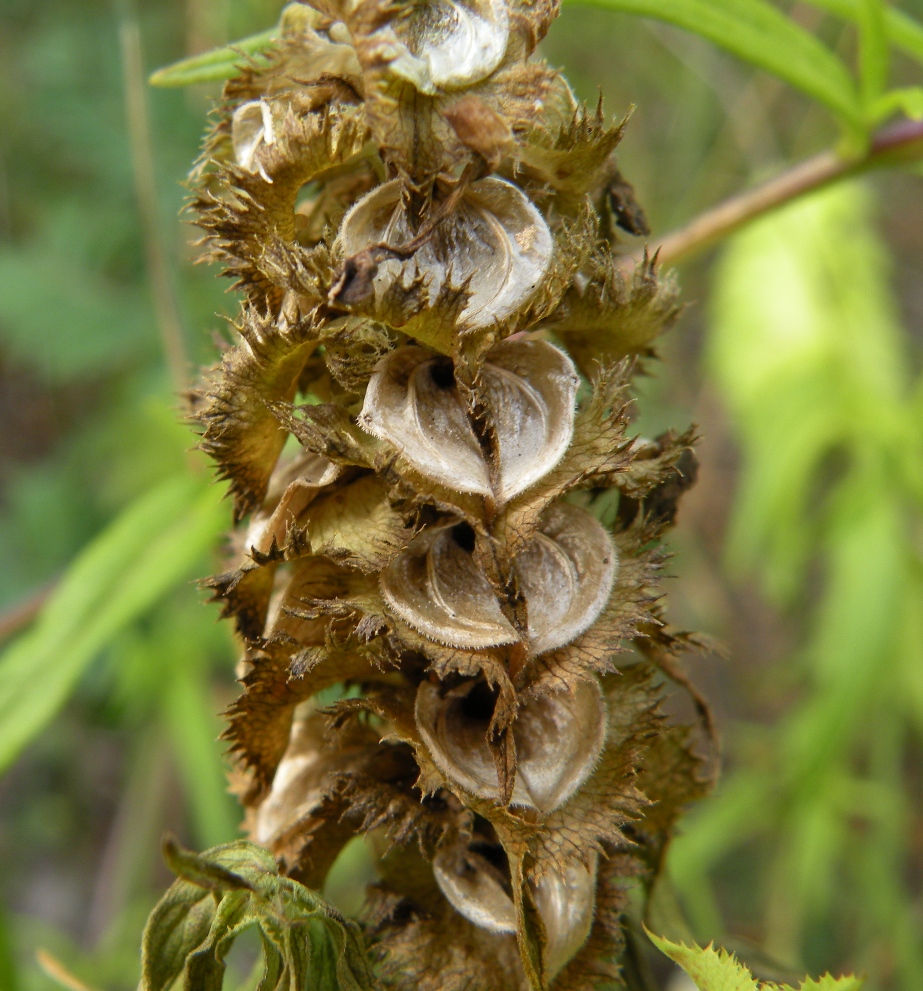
{"x": 718, "y": 970}
{"x": 230, "y": 888}
{"x": 215, "y": 65}
{"x": 873, "y": 53}
{"x": 907, "y": 100}
{"x": 902, "y": 30}
{"x": 200, "y": 871}
{"x": 758, "y": 33}
{"x": 828, "y": 983}
{"x": 710, "y": 969}
{"x": 146, "y": 551}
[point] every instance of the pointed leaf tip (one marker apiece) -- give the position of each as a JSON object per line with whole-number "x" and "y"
{"x": 717, "y": 970}
{"x": 215, "y": 65}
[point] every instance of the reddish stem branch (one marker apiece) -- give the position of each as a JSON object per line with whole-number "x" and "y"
{"x": 901, "y": 142}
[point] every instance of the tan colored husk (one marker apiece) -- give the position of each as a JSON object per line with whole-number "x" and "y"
{"x": 419, "y": 214}
{"x": 494, "y": 248}
{"x": 529, "y": 388}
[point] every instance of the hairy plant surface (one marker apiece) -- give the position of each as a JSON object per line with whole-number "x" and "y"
{"x": 423, "y": 421}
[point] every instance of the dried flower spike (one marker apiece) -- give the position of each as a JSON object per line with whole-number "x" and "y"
{"x": 409, "y": 202}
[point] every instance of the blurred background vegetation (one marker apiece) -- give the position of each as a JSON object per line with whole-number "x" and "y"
{"x": 801, "y": 548}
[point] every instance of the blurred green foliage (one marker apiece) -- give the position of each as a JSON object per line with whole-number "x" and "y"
{"x": 716, "y": 970}
{"x": 807, "y": 348}
{"x": 810, "y": 851}
{"x": 102, "y": 501}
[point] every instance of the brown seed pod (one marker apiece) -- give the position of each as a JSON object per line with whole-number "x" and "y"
{"x": 413, "y": 402}
{"x": 448, "y": 45}
{"x": 566, "y": 573}
{"x": 494, "y": 247}
{"x": 558, "y": 740}
{"x": 413, "y": 206}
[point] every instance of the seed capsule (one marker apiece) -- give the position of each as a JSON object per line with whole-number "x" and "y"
{"x": 412, "y": 402}
{"x": 436, "y": 587}
{"x": 475, "y": 888}
{"x": 558, "y": 738}
{"x": 565, "y": 573}
{"x": 448, "y": 45}
{"x": 495, "y": 246}
{"x": 565, "y": 900}
{"x": 251, "y": 127}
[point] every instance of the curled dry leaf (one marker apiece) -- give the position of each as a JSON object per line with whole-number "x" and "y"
{"x": 566, "y": 573}
{"x": 495, "y": 246}
{"x": 529, "y": 386}
{"x": 449, "y": 44}
{"x": 558, "y": 740}
{"x": 292, "y": 487}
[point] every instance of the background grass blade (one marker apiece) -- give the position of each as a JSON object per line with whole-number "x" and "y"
{"x": 150, "y": 548}
{"x": 873, "y": 53}
{"x": 902, "y": 30}
{"x": 758, "y": 33}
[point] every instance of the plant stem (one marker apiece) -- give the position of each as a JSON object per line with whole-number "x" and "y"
{"x": 20, "y": 614}
{"x": 900, "y": 143}
{"x": 139, "y": 130}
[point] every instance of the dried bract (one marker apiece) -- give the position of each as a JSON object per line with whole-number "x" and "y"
{"x": 412, "y": 205}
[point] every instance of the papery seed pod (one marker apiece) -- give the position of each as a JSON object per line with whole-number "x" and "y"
{"x": 565, "y": 902}
{"x": 411, "y": 203}
{"x": 476, "y": 888}
{"x": 450, "y": 44}
{"x": 494, "y": 248}
{"x": 558, "y": 741}
{"x": 565, "y": 572}
{"x": 413, "y": 402}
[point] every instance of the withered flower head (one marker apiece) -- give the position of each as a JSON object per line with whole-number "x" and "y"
{"x": 418, "y": 214}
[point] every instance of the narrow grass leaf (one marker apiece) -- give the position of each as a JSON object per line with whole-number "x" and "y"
{"x": 873, "y": 54}
{"x": 189, "y": 712}
{"x": 151, "y": 547}
{"x": 757, "y": 32}
{"x": 904, "y": 32}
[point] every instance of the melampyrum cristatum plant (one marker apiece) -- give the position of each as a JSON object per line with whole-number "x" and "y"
{"x": 423, "y": 220}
